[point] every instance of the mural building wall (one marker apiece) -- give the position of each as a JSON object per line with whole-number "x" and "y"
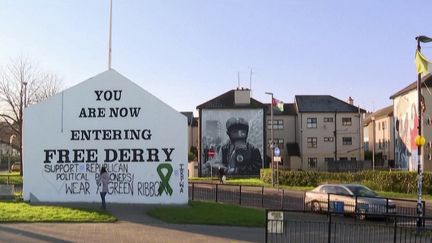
{"x": 232, "y": 139}
{"x": 406, "y": 122}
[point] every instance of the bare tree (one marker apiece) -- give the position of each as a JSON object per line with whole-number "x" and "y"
{"x": 22, "y": 83}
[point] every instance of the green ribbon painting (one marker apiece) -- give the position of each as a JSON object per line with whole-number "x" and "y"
{"x": 164, "y": 185}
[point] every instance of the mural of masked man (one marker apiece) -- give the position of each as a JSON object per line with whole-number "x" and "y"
{"x": 238, "y": 156}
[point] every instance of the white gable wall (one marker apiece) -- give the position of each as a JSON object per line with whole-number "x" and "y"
{"x": 55, "y": 124}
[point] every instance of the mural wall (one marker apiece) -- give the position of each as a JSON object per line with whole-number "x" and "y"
{"x": 406, "y": 122}
{"x": 106, "y": 121}
{"x": 232, "y": 140}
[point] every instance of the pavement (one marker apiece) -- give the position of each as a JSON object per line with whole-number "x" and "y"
{"x": 133, "y": 225}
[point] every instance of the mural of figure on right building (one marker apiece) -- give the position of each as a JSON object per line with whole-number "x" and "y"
{"x": 406, "y": 122}
{"x": 237, "y": 156}
{"x": 240, "y": 157}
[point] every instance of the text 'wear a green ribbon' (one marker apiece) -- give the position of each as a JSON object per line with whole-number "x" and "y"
{"x": 164, "y": 185}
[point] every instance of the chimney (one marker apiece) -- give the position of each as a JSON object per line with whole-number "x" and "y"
{"x": 350, "y": 101}
{"x": 242, "y": 96}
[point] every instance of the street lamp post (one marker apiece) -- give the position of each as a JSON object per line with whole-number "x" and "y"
{"x": 420, "y": 139}
{"x": 11, "y": 138}
{"x": 373, "y": 143}
{"x": 23, "y": 105}
{"x": 271, "y": 136}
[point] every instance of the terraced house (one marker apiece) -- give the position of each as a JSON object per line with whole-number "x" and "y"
{"x": 318, "y": 131}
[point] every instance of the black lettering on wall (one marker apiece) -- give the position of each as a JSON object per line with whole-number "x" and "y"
{"x": 49, "y": 153}
{"x": 108, "y": 94}
{"x": 153, "y": 155}
{"x": 168, "y": 152}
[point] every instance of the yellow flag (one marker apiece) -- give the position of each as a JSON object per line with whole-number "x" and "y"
{"x": 422, "y": 64}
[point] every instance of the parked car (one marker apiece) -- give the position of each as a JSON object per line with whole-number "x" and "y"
{"x": 16, "y": 167}
{"x": 348, "y": 198}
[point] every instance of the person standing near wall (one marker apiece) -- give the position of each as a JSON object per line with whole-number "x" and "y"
{"x": 103, "y": 181}
{"x": 221, "y": 173}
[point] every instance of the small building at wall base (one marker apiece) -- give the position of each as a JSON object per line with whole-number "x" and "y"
{"x": 232, "y": 135}
{"x": 106, "y": 121}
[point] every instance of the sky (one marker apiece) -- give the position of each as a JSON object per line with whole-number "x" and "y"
{"x": 190, "y": 51}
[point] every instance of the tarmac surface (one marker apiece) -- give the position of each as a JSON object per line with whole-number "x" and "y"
{"x": 133, "y": 225}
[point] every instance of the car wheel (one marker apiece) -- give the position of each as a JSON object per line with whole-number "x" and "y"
{"x": 315, "y": 206}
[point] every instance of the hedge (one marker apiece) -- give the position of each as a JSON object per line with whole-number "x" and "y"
{"x": 391, "y": 181}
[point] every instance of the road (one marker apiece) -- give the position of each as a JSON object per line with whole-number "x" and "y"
{"x": 264, "y": 197}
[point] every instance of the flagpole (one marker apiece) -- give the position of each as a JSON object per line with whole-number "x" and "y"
{"x": 420, "y": 140}
{"x": 419, "y": 167}
{"x": 110, "y": 37}
{"x": 271, "y": 136}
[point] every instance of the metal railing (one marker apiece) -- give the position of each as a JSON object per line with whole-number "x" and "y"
{"x": 262, "y": 197}
{"x": 251, "y": 196}
{"x": 303, "y": 226}
{"x": 10, "y": 179}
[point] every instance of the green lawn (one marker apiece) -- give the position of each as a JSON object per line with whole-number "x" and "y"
{"x": 24, "y": 212}
{"x": 211, "y": 214}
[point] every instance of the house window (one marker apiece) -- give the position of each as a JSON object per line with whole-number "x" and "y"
{"x": 328, "y": 159}
{"x": 343, "y": 158}
{"x": 312, "y": 162}
{"x": 347, "y": 140}
{"x": 312, "y": 122}
{"x": 278, "y": 142}
{"x": 328, "y": 139}
{"x": 383, "y": 125}
{"x": 353, "y": 158}
{"x": 277, "y": 124}
{"x": 328, "y": 119}
{"x": 346, "y": 121}
{"x": 379, "y": 143}
{"x": 312, "y": 142}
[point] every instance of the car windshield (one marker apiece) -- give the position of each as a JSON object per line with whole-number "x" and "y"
{"x": 361, "y": 191}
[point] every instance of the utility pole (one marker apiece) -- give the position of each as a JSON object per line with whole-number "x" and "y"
{"x": 271, "y": 137}
{"x": 420, "y": 139}
{"x": 110, "y": 37}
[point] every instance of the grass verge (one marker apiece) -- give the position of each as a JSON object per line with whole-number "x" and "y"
{"x": 211, "y": 214}
{"x": 24, "y": 212}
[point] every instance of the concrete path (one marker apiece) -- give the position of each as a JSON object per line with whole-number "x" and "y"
{"x": 133, "y": 226}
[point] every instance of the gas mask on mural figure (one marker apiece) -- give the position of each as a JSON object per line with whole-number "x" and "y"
{"x": 239, "y": 154}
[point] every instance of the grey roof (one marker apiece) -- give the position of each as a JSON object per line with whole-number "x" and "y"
{"x": 426, "y": 80}
{"x": 226, "y": 100}
{"x": 384, "y": 112}
{"x": 189, "y": 116}
{"x": 324, "y": 103}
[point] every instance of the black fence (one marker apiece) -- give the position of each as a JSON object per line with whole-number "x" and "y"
{"x": 8, "y": 179}
{"x": 251, "y": 196}
{"x": 348, "y": 165}
{"x": 304, "y": 226}
{"x": 272, "y": 198}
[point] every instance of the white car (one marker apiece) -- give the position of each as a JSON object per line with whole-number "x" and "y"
{"x": 348, "y": 198}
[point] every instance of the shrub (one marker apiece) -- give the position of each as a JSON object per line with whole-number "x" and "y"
{"x": 392, "y": 181}
{"x": 191, "y": 156}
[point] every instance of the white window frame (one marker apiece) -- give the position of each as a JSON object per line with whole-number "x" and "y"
{"x": 310, "y": 122}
